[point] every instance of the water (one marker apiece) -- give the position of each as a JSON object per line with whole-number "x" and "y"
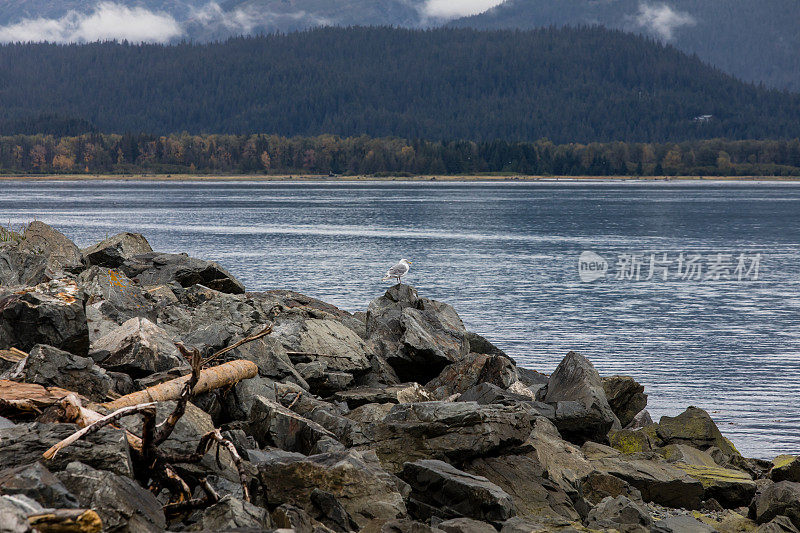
{"x": 505, "y": 255}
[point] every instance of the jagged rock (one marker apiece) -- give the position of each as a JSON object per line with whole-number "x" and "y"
{"x": 680, "y": 453}
{"x": 106, "y": 449}
{"x": 394, "y": 394}
{"x": 330, "y": 512}
{"x": 523, "y": 478}
{"x": 681, "y": 524}
{"x": 785, "y": 468}
{"x": 38, "y": 483}
{"x": 354, "y": 478}
{"x": 540, "y": 525}
{"x": 486, "y": 393}
{"x": 312, "y": 307}
{"x": 782, "y": 498}
{"x": 621, "y": 514}
{"x": 153, "y": 269}
{"x": 49, "y": 313}
{"x": 417, "y": 336}
{"x": 439, "y": 489}
{"x": 398, "y": 526}
{"x": 731, "y": 488}
{"x": 271, "y": 424}
{"x": 50, "y": 366}
{"x": 230, "y": 513}
{"x": 661, "y": 483}
{"x": 598, "y": 485}
{"x": 562, "y": 462}
{"x": 114, "y": 251}
{"x": 635, "y": 440}
{"x": 694, "y": 428}
{"x": 138, "y": 347}
{"x": 14, "y": 512}
{"x": 473, "y": 369}
{"x": 238, "y": 402}
{"x": 479, "y": 344}
{"x": 779, "y": 524}
{"x": 465, "y": 525}
{"x": 121, "y": 503}
{"x": 112, "y": 299}
{"x": 455, "y": 431}
{"x": 625, "y": 397}
{"x": 582, "y": 411}
{"x": 320, "y": 381}
{"x": 271, "y": 358}
{"x": 62, "y": 254}
{"x": 641, "y": 420}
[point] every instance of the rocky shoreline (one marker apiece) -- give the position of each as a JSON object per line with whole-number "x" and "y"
{"x": 292, "y": 414}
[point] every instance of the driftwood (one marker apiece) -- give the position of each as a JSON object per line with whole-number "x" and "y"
{"x": 66, "y": 521}
{"x": 210, "y": 379}
{"x": 20, "y": 399}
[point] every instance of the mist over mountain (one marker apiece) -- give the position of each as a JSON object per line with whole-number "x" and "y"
{"x": 569, "y": 85}
{"x": 755, "y": 41}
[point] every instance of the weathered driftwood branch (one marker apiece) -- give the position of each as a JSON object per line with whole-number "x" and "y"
{"x": 27, "y": 398}
{"x": 66, "y": 521}
{"x": 210, "y": 379}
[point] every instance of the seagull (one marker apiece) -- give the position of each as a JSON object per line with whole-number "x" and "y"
{"x": 398, "y": 271}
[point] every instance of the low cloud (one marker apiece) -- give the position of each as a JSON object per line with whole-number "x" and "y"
{"x": 450, "y": 9}
{"x": 244, "y": 20}
{"x": 108, "y": 21}
{"x": 662, "y": 20}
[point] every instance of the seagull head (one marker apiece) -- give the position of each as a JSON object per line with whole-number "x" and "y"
{"x": 406, "y": 261}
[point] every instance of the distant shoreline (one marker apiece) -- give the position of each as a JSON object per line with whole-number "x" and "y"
{"x": 449, "y": 178}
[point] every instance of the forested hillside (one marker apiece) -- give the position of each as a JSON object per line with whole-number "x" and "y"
{"x": 568, "y": 85}
{"x": 755, "y": 41}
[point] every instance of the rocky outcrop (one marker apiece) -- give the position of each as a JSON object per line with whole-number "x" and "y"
{"x": 576, "y": 390}
{"x": 625, "y": 397}
{"x": 778, "y": 499}
{"x": 621, "y": 514}
{"x": 50, "y": 366}
{"x": 114, "y": 251}
{"x": 138, "y": 347}
{"x": 694, "y": 428}
{"x": 785, "y": 468}
{"x": 154, "y": 269}
{"x": 470, "y": 371}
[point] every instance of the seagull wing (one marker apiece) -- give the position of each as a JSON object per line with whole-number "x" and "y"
{"x": 398, "y": 270}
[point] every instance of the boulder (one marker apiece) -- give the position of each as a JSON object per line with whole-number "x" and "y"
{"x": 731, "y": 488}
{"x": 49, "y": 313}
{"x": 105, "y": 449}
{"x": 121, "y": 503}
{"x": 563, "y": 463}
{"x": 114, "y": 251}
{"x": 328, "y": 510}
{"x": 14, "y": 510}
{"x": 230, "y": 513}
{"x": 416, "y": 336}
{"x": 439, "y": 489}
{"x": 320, "y": 381}
{"x": 661, "y": 483}
{"x": 524, "y": 479}
{"x": 778, "y": 499}
{"x": 634, "y": 440}
{"x": 398, "y": 526}
{"x": 448, "y": 431}
{"x": 582, "y": 411}
{"x": 694, "y": 428}
{"x": 473, "y": 369}
{"x": 49, "y": 366}
{"x": 465, "y": 525}
{"x": 62, "y": 254}
{"x": 681, "y": 524}
{"x": 354, "y": 478}
{"x": 486, "y": 393}
{"x": 154, "y": 269}
{"x": 393, "y": 394}
{"x": 19, "y": 269}
{"x": 625, "y": 397}
{"x": 138, "y": 347}
{"x": 621, "y": 514}
{"x": 779, "y": 524}
{"x": 680, "y": 453}
{"x": 641, "y": 420}
{"x": 238, "y": 402}
{"x": 597, "y": 486}
{"x": 272, "y": 424}
{"x": 37, "y": 483}
{"x": 785, "y": 468}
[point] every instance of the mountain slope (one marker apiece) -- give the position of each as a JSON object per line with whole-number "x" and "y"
{"x": 755, "y": 41}
{"x": 567, "y": 85}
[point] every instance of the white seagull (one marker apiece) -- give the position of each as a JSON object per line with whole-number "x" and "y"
{"x": 398, "y": 271}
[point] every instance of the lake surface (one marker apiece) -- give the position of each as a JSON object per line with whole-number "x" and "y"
{"x": 505, "y": 255}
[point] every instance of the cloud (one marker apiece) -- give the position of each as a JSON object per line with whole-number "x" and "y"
{"x": 450, "y": 9}
{"x": 108, "y": 21}
{"x": 245, "y": 20}
{"x": 662, "y": 19}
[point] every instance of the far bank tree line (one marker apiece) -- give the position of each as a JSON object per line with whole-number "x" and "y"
{"x": 328, "y": 154}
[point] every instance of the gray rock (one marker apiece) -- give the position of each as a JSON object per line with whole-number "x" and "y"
{"x": 153, "y": 269}
{"x": 138, "y": 347}
{"x": 417, "y": 336}
{"x": 272, "y": 424}
{"x": 472, "y": 370}
{"x": 539, "y": 525}
{"x": 448, "y": 492}
{"x": 106, "y": 449}
{"x": 531, "y": 378}
{"x": 582, "y": 411}
{"x": 597, "y": 486}
{"x": 238, "y": 402}
{"x": 465, "y": 525}
{"x": 681, "y": 524}
{"x": 694, "y": 427}
{"x": 20, "y": 269}
{"x": 37, "y": 483}
{"x": 625, "y": 397}
{"x": 328, "y": 510}
{"x": 14, "y": 512}
{"x": 642, "y": 419}
{"x": 486, "y": 393}
{"x": 114, "y": 251}
{"x": 620, "y": 513}
{"x": 448, "y": 431}
{"x": 121, "y": 503}
{"x": 778, "y": 499}
{"x": 779, "y": 524}
{"x": 62, "y": 254}
{"x": 523, "y": 478}
{"x": 391, "y": 394}
{"x": 354, "y": 478}
{"x": 785, "y": 468}
{"x": 230, "y": 513}
{"x": 50, "y": 313}
{"x": 50, "y": 366}
{"x": 272, "y": 360}
{"x": 399, "y": 526}
{"x": 290, "y": 518}
{"x": 479, "y": 344}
